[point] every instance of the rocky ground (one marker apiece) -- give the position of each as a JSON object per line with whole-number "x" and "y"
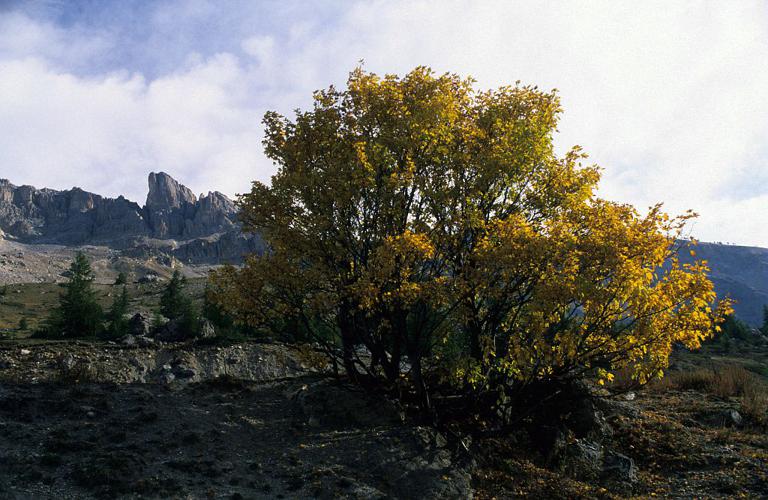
{"x": 96, "y": 420}
{"x": 245, "y": 421}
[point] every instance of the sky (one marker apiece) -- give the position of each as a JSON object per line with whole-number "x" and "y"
{"x": 669, "y": 98}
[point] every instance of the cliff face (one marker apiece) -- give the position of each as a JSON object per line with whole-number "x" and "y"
{"x": 172, "y": 214}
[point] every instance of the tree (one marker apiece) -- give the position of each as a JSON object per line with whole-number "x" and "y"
{"x": 79, "y": 313}
{"x": 23, "y": 324}
{"x": 122, "y": 279}
{"x": 176, "y": 305}
{"x": 117, "y": 322}
{"x": 734, "y": 328}
{"x": 764, "y": 327}
{"x": 434, "y": 226}
{"x": 174, "y": 300}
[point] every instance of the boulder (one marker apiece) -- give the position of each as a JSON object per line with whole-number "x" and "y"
{"x": 174, "y": 331}
{"x": 140, "y": 325}
{"x": 582, "y": 459}
{"x": 619, "y": 467}
{"x": 150, "y": 278}
{"x": 206, "y": 330}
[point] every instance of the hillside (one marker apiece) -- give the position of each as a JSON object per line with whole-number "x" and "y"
{"x": 739, "y": 272}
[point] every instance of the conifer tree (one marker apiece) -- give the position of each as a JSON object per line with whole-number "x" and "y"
{"x": 175, "y": 304}
{"x": 79, "y": 313}
{"x": 118, "y": 324}
{"x": 174, "y": 300}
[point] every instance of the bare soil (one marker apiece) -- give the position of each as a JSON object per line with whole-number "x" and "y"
{"x": 282, "y": 433}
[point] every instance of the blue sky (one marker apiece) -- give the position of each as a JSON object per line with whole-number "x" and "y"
{"x": 670, "y": 99}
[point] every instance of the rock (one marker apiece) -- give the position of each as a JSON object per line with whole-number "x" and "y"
{"x": 25, "y": 352}
{"x": 184, "y": 373}
{"x": 150, "y": 278}
{"x": 619, "y": 467}
{"x": 206, "y": 330}
{"x": 166, "y": 377}
{"x": 67, "y": 362}
{"x": 142, "y": 341}
{"x": 165, "y": 193}
{"x": 587, "y": 421}
{"x": 208, "y": 227}
{"x": 334, "y": 405}
{"x": 140, "y": 325}
{"x": 728, "y": 418}
{"x": 582, "y": 459}
{"x": 129, "y": 340}
{"x": 173, "y": 331}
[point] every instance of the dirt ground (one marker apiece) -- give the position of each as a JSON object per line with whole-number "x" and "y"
{"x": 94, "y": 420}
{"x": 208, "y": 435}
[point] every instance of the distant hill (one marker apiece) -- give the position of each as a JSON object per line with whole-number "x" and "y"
{"x": 739, "y": 272}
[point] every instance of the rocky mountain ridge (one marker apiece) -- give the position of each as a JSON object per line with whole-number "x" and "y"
{"x": 173, "y": 221}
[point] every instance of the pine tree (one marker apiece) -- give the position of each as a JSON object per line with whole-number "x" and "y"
{"x": 174, "y": 300}
{"x": 118, "y": 324}
{"x": 78, "y": 314}
{"x": 122, "y": 279}
{"x": 175, "y": 304}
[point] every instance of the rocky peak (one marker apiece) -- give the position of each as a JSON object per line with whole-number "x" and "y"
{"x": 196, "y": 230}
{"x": 165, "y": 193}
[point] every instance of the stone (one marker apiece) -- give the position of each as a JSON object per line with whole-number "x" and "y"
{"x": 173, "y": 331}
{"x": 619, "y": 467}
{"x": 140, "y": 325}
{"x": 142, "y": 341}
{"x": 587, "y": 421}
{"x": 150, "y": 278}
{"x": 206, "y": 330}
{"x": 184, "y": 373}
{"x": 728, "y": 418}
{"x": 128, "y": 340}
{"x": 582, "y": 459}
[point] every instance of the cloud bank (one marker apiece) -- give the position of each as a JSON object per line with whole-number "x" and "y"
{"x": 669, "y": 98}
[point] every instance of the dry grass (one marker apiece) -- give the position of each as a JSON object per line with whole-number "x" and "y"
{"x": 724, "y": 382}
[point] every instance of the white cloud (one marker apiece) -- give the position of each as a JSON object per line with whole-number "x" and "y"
{"x": 668, "y": 97}
{"x": 105, "y": 134}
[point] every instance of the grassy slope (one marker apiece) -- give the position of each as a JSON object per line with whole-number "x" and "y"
{"x": 34, "y": 301}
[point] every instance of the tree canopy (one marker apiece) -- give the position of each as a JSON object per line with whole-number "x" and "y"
{"x": 428, "y": 234}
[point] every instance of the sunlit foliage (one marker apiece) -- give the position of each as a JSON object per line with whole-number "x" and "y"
{"x": 434, "y": 225}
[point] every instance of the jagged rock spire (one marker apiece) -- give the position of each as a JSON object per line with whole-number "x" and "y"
{"x": 165, "y": 193}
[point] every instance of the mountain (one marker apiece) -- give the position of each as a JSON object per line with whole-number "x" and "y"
{"x": 172, "y": 222}
{"x": 738, "y": 272}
